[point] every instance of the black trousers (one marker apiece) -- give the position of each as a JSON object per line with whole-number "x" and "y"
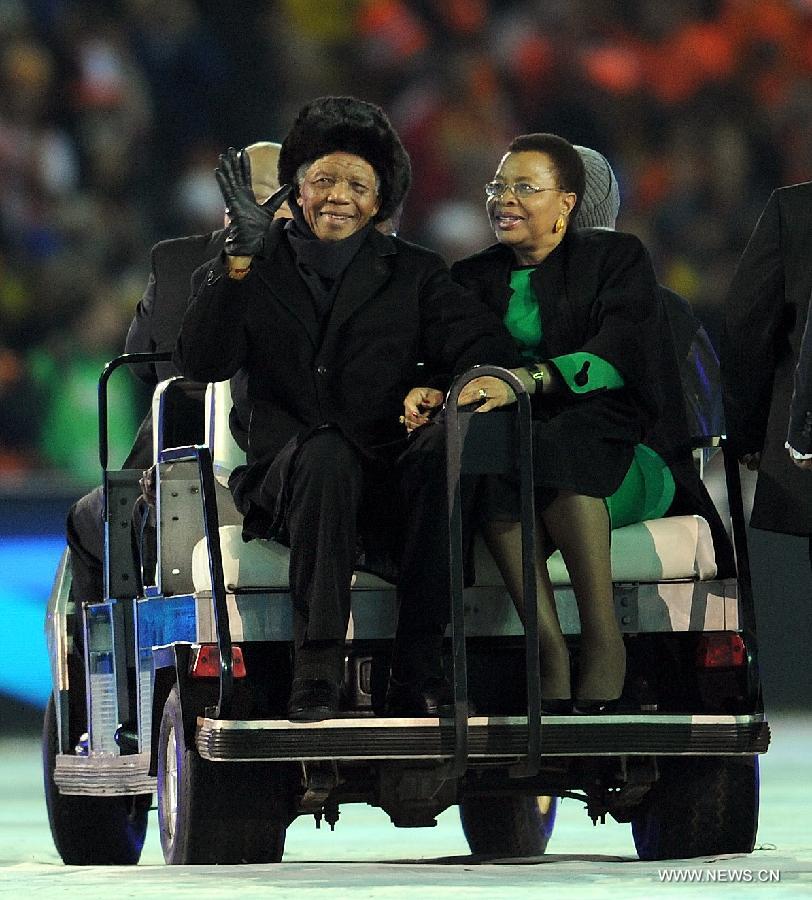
{"x": 331, "y": 490}
{"x": 424, "y": 583}
{"x": 84, "y": 530}
{"x": 324, "y": 489}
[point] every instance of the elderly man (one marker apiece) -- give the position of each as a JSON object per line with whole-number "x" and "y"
{"x": 329, "y": 319}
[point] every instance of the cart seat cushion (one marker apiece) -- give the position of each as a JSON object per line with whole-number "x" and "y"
{"x": 671, "y": 549}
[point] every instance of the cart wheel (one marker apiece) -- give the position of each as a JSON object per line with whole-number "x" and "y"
{"x": 699, "y": 807}
{"x": 91, "y": 831}
{"x": 508, "y": 826}
{"x": 225, "y": 813}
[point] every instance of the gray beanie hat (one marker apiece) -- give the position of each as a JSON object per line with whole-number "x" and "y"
{"x": 601, "y": 201}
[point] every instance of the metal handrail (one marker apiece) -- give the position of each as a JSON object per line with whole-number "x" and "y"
{"x": 126, "y": 359}
{"x": 211, "y": 528}
{"x": 739, "y": 526}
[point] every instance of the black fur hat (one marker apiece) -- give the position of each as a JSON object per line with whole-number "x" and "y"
{"x": 348, "y": 125}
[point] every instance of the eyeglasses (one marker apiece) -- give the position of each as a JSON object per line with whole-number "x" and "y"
{"x": 495, "y": 190}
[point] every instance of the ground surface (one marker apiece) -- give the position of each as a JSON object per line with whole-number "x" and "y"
{"x": 367, "y": 857}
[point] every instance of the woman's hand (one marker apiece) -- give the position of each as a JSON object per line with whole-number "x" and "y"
{"x": 416, "y": 405}
{"x": 489, "y": 391}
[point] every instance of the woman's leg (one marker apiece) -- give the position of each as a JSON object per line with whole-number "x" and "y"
{"x": 504, "y": 541}
{"x": 579, "y": 527}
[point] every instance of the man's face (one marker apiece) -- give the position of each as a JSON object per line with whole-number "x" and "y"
{"x": 338, "y": 195}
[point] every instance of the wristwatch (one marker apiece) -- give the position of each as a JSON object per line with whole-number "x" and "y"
{"x": 537, "y": 374}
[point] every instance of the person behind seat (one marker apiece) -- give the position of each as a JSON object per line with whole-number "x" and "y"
{"x": 582, "y": 308}
{"x": 154, "y": 327}
{"x": 329, "y": 318}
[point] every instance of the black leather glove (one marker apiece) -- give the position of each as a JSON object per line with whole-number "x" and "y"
{"x": 249, "y": 221}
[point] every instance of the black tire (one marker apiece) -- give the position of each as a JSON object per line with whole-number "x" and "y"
{"x": 217, "y": 813}
{"x": 508, "y": 826}
{"x": 91, "y": 831}
{"x": 699, "y": 807}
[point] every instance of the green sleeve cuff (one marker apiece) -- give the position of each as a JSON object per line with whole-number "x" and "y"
{"x": 585, "y": 373}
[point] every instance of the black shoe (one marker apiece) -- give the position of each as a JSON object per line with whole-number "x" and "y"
{"x": 556, "y": 707}
{"x": 595, "y": 707}
{"x": 312, "y": 699}
{"x": 430, "y": 697}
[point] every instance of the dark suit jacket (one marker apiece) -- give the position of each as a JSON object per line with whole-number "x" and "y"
{"x": 765, "y": 313}
{"x": 158, "y": 316}
{"x": 396, "y": 305}
{"x": 799, "y": 435}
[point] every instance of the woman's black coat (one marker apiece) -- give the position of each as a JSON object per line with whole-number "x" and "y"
{"x": 598, "y": 294}
{"x": 396, "y": 306}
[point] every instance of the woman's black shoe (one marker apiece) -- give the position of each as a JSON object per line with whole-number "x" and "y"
{"x": 431, "y": 697}
{"x": 312, "y": 699}
{"x": 595, "y": 707}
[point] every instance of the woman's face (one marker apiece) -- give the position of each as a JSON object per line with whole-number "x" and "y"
{"x": 338, "y": 195}
{"x": 527, "y": 223}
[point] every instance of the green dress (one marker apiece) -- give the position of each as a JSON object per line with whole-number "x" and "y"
{"x": 647, "y": 490}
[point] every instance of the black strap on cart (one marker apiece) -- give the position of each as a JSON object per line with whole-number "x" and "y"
{"x": 739, "y": 527}
{"x": 478, "y": 444}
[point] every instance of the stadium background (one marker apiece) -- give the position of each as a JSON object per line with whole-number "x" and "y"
{"x": 112, "y": 115}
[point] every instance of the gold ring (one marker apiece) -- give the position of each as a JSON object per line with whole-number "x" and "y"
{"x": 402, "y": 420}
{"x": 483, "y": 394}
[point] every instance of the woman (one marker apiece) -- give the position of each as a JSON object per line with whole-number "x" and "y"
{"x": 582, "y": 309}
{"x": 326, "y": 319}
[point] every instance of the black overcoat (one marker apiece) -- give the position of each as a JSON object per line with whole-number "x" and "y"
{"x": 396, "y": 306}
{"x": 765, "y": 313}
{"x": 597, "y": 294}
{"x": 799, "y": 433}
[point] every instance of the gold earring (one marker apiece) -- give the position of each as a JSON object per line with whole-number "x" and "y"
{"x": 560, "y": 224}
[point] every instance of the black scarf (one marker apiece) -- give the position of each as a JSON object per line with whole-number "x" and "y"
{"x": 321, "y": 263}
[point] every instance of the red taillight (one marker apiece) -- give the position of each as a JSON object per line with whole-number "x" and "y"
{"x": 720, "y": 651}
{"x": 205, "y": 662}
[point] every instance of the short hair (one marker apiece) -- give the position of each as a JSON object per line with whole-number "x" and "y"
{"x": 567, "y": 164}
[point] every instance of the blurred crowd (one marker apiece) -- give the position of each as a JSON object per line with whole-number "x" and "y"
{"x": 112, "y": 113}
